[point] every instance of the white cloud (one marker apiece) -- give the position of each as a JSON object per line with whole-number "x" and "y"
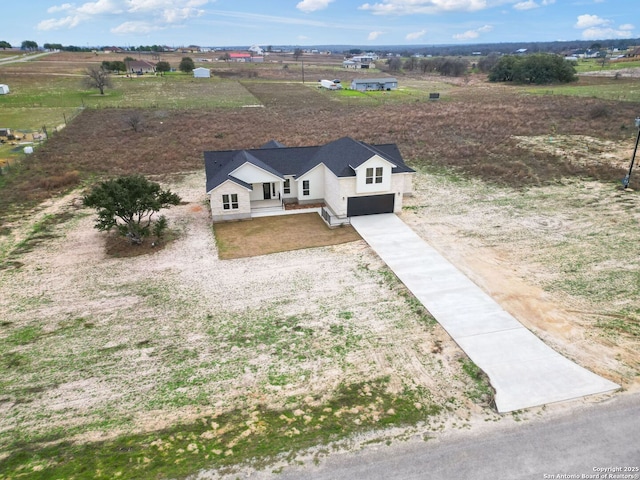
{"x": 531, "y": 4}
{"x": 139, "y": 28}
{"x": 409, "y": 7}
{"x": 416, "y": 35}
{"x": 142, "y": 15}
{"x": 588, "y": 21}
{"x": 374, "y": 35}
{"x": 528, "y": 5}
{"x": 308, "y": 6}
{"x": 471, "y": 34}
{"x": 58, "y": 23}
{"x": 100, "y": 7}
{"x": 595, "y": 28}
{"x": 60, "y": 8}
{"x": 598, "y": 33}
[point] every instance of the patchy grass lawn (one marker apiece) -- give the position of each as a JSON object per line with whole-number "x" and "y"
{"x": 261, "y": 236}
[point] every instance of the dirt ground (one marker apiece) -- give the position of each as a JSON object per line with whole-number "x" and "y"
{"x": 498, "y": 249}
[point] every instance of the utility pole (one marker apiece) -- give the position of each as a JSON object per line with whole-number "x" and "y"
{"x": 627, "y": 178}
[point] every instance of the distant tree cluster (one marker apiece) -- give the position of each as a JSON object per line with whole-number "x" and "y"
{"x": 540, "y": 68}
{"x": 486, "y": 64}
{"x": 148, "y": 48}
{"x": 115, "y": 66}
{"x": 446, "y": 66}
{"x": 53, "y": 46}
{"x": 4, "y": 45}
{"x": 29, "y": 45}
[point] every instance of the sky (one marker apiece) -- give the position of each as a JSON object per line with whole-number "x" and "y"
{"x": 316, "y": 22}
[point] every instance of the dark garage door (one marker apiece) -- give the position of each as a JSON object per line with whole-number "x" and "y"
{"x": 370, "y": 205}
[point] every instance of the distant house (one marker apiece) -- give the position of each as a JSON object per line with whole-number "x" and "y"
{"x": 364, "y": 84}
{"x": 349, "y": 177}
{"x": 4, "y": 89}
{"x": 360, "y": 61}
{"x": 139, "y": 67}
{"x": 201, "y": 72}
{"x": 240, "y": 57}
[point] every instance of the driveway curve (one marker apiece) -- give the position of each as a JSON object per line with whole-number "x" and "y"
{"x": 523, "y": 370}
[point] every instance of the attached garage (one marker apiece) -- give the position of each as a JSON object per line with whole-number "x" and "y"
{"x": 370, "y": 205}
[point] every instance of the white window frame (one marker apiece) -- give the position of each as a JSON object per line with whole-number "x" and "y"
{"x": 230, "y": 201}
{"x": 306, "y": 189}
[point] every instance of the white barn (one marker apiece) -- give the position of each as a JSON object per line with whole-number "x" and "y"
{"x": 201, "y": 72}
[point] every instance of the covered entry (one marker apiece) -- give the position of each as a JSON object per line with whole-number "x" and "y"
{"x": 370, "y": 205}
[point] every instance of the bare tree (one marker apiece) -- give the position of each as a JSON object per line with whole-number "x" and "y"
{"x": 395, "y": 64}
{"x": 297, "y": 53}
{"x": 97, "y": 77}
{"x": 134, "y": 120}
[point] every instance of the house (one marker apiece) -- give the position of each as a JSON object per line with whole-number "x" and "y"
{"x": 139, "y": 67}
{"x": 201, "y": 72}
{"x": 4, "y": 89}
{"x": 364, "y": 84}
{"x": 349, "y": 177}
{"x": 360, "y": 61}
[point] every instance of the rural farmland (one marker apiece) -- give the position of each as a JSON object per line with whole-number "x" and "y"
{"x": 158, "y": 362}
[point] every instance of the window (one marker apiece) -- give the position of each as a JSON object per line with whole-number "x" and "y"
{"x": 287, "y": 186}
{"x": 370, "y": 177}
{"x": 305, "y": 187}
{"x": 230, "y": 201}
{"x": 378, "y": 174}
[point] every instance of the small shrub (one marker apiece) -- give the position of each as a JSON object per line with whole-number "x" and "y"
{"x": 599, "y": 111}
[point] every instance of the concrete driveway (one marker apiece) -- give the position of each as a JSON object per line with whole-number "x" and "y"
{"x": 523, "y": 370}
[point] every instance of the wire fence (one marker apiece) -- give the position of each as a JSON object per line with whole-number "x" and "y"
{"x": 25, "y": 142}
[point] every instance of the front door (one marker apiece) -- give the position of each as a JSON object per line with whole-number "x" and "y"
{"x": 266, "y": 189}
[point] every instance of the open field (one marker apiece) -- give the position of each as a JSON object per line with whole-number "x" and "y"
{"x": 178, "y": 360}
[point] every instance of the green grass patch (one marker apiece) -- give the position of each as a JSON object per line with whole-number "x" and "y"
{"x": 41, "y": 231}
{"x": 221, "y": 441}
{"x": 482, "y": 392}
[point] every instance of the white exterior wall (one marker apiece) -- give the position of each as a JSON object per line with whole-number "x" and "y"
{"x": 251, "y": 174}
{"x": 202, "y": 72}
{"x": 292, "y": 185}
{"x": 364, "y": 188}
{"x": 218, "y": 213}
{"x": 332, "y": 191}
{"x": 316, "y": 185}
{"x": 336, "y": 198}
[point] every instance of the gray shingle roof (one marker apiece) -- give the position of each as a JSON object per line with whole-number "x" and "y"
{"x": 341, "y": 156}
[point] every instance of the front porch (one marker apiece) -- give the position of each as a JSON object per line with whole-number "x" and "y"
{"x": 273, "y": 207}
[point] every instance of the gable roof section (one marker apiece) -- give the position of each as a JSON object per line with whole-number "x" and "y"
{"x": 273, "y": 144}
{"x": 341, "y": 156}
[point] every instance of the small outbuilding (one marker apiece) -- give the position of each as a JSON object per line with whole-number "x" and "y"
{"x": 201, "y": 72}
{"x": 364, "y": 84}
{"x": 4, "y": 89}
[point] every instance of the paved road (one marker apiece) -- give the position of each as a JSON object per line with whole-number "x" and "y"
{"x": 598, "y": 436}
{"x": 22, "y": 58}
{"x": 523, "y": 370}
